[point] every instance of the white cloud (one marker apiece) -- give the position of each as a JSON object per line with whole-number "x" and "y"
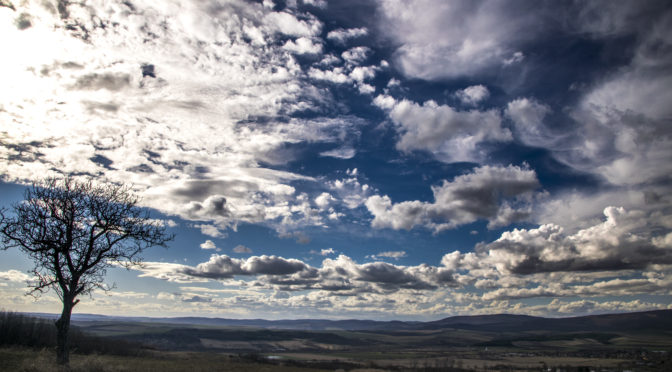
{"x": 366, "y": 88}
{"x": 166, "y": 223}
{"x": 337, "y": 75}
{"x": 528, "y": 117}
{"x": 14, "y": 276}
{"x": 516, "y": 57}
{"x": 323, "y": 200}
{"x": 317, "y": 3}
{"x": 329, "y": 60}
{"x": 625, "y": 136}
{"x": 210, "y": 230}
{"x": 356, "y": 55}
{"x": 625, "y": 240}
{"x": 340, "y": 153}
{"x": 141, "y": 105}
{"x": 289, "y": 24}
{"x": 303, "y": 45}
{"x": 360, "y": 73}
{"x": 349, "y": 190}
{"x": 484, "y": 194}
{"x": 389, "y": 254}
{"x": 327, "y": 252}
{"x": 341, "y": 36}
{"x": 472, "y": 95}
{"x": 393, "y": 83}
{"x": 384, "y": 102}
{"x": 209, "y": 244}
{"x": 171, "y": 272}
{"x": 457, "y": 38}
{"x": 451, "y": 135}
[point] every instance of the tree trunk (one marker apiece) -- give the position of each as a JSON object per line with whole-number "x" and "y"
{"x": 63, "y": 331}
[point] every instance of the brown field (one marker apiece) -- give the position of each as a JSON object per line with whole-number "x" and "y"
{"x": 26, "y": 360}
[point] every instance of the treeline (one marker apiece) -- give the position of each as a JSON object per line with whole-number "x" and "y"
{"x": 18, "y": 329}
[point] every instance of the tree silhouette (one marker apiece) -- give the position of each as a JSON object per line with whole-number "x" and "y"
{"x": 74, "y": 231}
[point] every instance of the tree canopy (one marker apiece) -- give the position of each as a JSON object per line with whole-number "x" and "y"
{"x": 74, "y": 231}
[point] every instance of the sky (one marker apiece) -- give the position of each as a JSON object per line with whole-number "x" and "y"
{"x": 369, "y": 159}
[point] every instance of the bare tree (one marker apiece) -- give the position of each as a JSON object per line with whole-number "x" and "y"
{"x": 74, "y": 231}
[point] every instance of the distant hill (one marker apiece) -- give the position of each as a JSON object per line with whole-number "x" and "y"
{"x": 648, "y": 320}
{"x": 660, "y": 320}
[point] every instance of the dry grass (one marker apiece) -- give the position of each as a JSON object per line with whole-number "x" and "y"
{"x": 25, "y": 360}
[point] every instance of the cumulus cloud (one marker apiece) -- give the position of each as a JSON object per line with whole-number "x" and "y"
{"x": 289, "y": 24}
{"x": 341, "y": 274}
{"x": 451, "y": 135}
{"x": 384, "y": 102}
{"x": 623, "y": 241}
{"x": 327, "y": 252}
{"x": 360, "y": 73}
{"x": 323, "y": 200}
{"x": 210, "y": 230}
{"x": 456, "y": 39}
{"x": 336, "y": 75}
{"x": 303, "y": 45}
{"x": 341, "y": 36}
{"x": 14, "y": 276}
{"x": 209, "y": 244}
{"x": 486, "y": 193}
{"x": 472, "y": 95}
{"x": 349, "y": 190}
{"x": 225, "y": 267}
{"x": 356, "y": 55}
{"x": 626, "y": 254}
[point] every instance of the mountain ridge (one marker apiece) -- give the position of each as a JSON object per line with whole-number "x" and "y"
{"x": 654, "y": 319}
